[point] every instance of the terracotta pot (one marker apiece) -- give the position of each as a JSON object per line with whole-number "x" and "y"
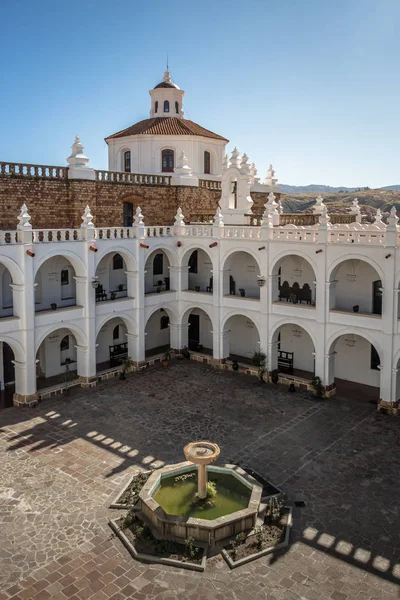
{"x": 165, "y": 363}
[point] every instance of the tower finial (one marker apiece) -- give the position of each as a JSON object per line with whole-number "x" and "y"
{"x": 167, "y": 63}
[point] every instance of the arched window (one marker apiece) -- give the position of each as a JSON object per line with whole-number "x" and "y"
{"x": 177, "y": 108}
{"x": 207, "y": 162}
{"x": 167, "y": 161}
{"x": 64, "y": 343}
{"x": 156, "y": 106}
{"x": 164, "y": 322}
{"x": 166, "y": 106}
{"x": 116, "y": 333}
{"x": 127, "y": 161}
{"x": 118, "y": 262}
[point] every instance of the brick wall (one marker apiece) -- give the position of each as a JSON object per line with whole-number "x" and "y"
{"x": 60, "y": 202}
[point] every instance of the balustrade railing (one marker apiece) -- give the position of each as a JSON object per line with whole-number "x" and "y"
{"x": 294, "y": 235}
{"x": 113, "y": 233}
{"x": 159, "y": 231}
{"x": 345, "y": 236}
{"x": 300, "y": 220}
{"x": 209, "y": 184}
{"x": 198, "y": 230}
{"x": 8, "y": 169}
{"x": 8, "y": 237}
{"x": 248, "y": 233}
{"x": 56, "y": 235}
{"x": 134, "y": 178}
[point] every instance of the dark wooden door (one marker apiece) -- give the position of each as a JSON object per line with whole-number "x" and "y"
{"x": 194, "y": 331}
{"x": 377, "y": 298}
{"x": 9, "y": 368}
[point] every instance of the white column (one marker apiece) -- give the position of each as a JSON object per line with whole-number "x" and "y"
{"x": 135, "y": 348}
{"x": 24, "y": 303}
{"x": 329, "y": 370}
{"x": 272, "y": 356}
{"x": 221, "y": 344}
{"x": 178, "y": 335}
{"x": 394, "y": 399}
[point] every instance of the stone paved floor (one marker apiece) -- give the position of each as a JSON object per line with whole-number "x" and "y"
{"x": 63, "y": 462}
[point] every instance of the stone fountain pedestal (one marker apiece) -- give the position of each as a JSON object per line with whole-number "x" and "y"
{"x": 201, "y": 454}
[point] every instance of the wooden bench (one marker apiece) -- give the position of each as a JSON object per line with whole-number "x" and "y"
{"x": 285, "y": 361}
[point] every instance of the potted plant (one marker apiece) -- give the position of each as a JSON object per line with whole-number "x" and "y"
{"x": 121, "y": 287}
{"x": 260, "y": 361}
{"x": 53, "y": 306}
{"x": 274, "y": 377}
{"x": 356, "y": 308}
{"x": 242, "y": 292}
{"x": 127, "y": 364}
{"x": 197, "y": 288}
{"x": 166, "y": 358}
{"x": 113, "y": 295}
{"x": 317, "y": 386}
{"x": 186, "y": 353}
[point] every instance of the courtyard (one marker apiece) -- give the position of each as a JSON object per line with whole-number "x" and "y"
{"x": 64, "y": 462}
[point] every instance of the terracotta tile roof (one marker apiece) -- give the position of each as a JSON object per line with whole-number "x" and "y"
{"x": 166, "y": 126}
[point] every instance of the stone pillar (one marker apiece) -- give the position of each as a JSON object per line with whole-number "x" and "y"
{"x": 178, "y": 335}
{"x": 272, "y": 356}
{"x": 176, "y": 277}
{"x": 86, "y": 359}
{"x": 202, "y": 481}
{"x": 329, "y": 374}
{"x": 394, "y": 398}
{"x": 221, "y": 345}
{"x": 135, "y": 348}
{"x": 24, "y": 307}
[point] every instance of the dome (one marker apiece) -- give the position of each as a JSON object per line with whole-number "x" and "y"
{"x": 166, "y": 82}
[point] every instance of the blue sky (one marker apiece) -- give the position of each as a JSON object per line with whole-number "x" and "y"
{"x": 312, "y": 86}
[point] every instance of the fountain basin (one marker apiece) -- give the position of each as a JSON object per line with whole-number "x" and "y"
{"x": 236, "y": 511}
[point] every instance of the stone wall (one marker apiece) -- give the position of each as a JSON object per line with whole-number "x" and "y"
{"x": 61, "y": 202}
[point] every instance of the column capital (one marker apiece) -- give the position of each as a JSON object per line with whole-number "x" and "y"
{"x": 132, "y": 336}
{"x": 178, "y": 269}
{"x": 330, "y": 355}
{"x": 18, "y": 287}
{"x": 80, "y": 279}
{"x": 178, "y": 325}
{"x": 81, "y": 348}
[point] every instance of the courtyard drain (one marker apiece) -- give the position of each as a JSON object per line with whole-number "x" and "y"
{"x": 300, "y": 503}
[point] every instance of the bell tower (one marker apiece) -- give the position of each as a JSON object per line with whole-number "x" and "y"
{"x": 166, "y": 99}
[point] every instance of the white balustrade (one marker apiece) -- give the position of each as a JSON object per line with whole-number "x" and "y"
{"x": 248, "y": 233}
{"x": 8, "y": 237}
{"x": 56, "y": 235}
{"x": 113, "y": 233}
{"x": 198, "y": 231}
{"x": 158, "y": 231}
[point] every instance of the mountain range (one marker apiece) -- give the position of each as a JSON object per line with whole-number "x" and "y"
{"x": 326, "y": 189}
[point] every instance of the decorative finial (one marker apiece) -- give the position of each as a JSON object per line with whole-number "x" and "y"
{"x": 245, "y": 165}
{"x": 183, "y": 166}
{"x": 87, "y": 219}
{"x": 319, "y": 205}
{"x": 167, "y": 76}
{"x": 218, "y": 218}
{"x": 235, "y": 160}
{"x": 138, "y": 218}
{"x": 378, "y": 217}
{"x": 270, "y": 178}
{"x": 77, "y": 158}
{"x": 179, "y": 218}
{"x": 24, "y": 219}
{"x": 392, "y": 220}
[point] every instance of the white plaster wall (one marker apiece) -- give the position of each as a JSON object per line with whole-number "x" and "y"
{"x": 350, "y": 291}
{"x": 155, "y": 336}
{"x": 244, "y": 270}
{"x": 108, "y": 277}
{"x": 295, "y": 339}
{"x": 6, "y": 293}
{"x": 243, "y": 337}
{"x": 50, "y": 355}
{"x": 206, "y": 336}
{"x": 203, "y": 275}
{"x": 353, "y": 363}
{"x": 146, "y": 153}
{"x": 150, "y": 279}
{"x": 49, "y": 288}
{"x": 105, "y": 339}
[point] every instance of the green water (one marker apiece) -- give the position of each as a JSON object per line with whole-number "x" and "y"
{"x": 176, "y": 498}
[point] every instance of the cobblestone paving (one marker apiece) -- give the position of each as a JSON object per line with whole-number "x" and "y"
{"x": 62, "y": 463}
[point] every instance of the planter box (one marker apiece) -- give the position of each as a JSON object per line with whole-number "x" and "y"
{"x": 149, "y": 558}
{"x": 120, "y": 505}
{"x": 237, "y": 563}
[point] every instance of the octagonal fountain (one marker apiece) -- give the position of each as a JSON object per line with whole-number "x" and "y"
{"x": 179, "y": 501}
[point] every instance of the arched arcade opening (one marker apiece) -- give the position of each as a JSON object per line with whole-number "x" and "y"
{"x": 240, "y": 276}
{"x": 356, "y": 287}
{"x": 55, "y": 285}
{"x": 157, "y": 277}
{"x": 292, "y": 351}
{"x": 157, "y": 333}
{"x": 293, "y": 281}
{"x": 111, "y": 278}
{"x": 241, "y": 338}
{"x": 111, "y": 344}
{"x": 56, "y": 358}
